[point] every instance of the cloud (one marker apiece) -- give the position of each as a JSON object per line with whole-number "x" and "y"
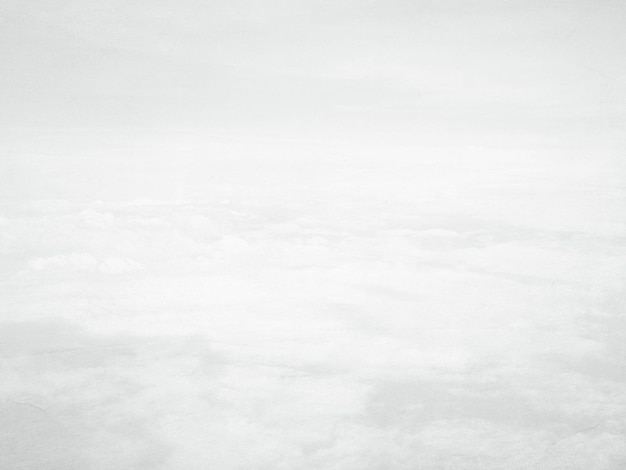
{"x": 74, "y": 261}
{"x": 119, "y": 265}
{"x": 306, "y": 335}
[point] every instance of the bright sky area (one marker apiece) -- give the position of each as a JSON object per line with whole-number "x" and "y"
{"x": 130, "y": 99}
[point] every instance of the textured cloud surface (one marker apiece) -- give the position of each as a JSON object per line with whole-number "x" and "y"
{"x": 470, "y": 325}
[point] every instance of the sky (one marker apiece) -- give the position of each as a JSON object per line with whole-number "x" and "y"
{"x": 312, "y": 235}
{"x": 162, "y": 84}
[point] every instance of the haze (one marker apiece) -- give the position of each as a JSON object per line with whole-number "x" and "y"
{"x": 312, "y": 235}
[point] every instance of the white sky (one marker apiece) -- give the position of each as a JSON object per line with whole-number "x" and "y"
{"x": 312, "y": 234}
{"x": 91, "y": 80}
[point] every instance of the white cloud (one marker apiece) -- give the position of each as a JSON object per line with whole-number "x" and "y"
{"x": 74, "y": 261}
{"x": 306, "y": 336}
{"x": 119, "y": 265}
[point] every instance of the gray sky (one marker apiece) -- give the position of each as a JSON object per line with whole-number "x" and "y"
{"x": 122, "y": 76}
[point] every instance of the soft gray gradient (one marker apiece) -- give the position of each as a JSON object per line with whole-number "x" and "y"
{"x": 104, "y": 99}
{"x": 245, "y": 235}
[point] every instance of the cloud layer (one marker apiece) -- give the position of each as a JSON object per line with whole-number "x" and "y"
{"x": 347, "y": 333}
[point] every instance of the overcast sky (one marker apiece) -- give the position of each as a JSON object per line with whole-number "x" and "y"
{"x": 94, "y": 78}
